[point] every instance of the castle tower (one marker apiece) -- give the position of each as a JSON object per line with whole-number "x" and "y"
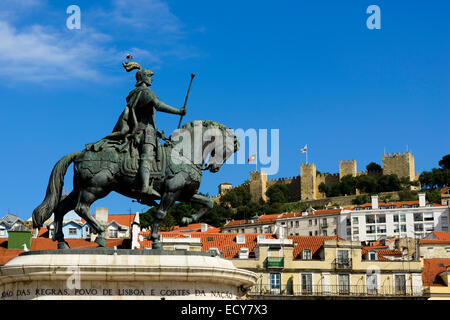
{"x": 401, "y": 164}
{"x": 258, "y": 186}
{"x": 309, "y": 188}
{"x": 347, "y": 168}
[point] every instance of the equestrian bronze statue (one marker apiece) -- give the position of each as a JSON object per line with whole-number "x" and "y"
{"x": 132, "y": 162}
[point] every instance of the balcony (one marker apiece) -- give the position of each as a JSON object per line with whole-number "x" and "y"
{"x": 272, "y": 262}
{"x": 324, "y": 225}
{"x": 337, "y": 291}
{"x": 342, "y": 263}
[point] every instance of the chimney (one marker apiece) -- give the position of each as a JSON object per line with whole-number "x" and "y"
{"x": 204, "y": 227}
{"x": 374, "y": 202}
{"x": 422, "y": 199}
{"x": 101, "y": 215}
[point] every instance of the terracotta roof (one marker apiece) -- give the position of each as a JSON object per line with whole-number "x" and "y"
{"x": 122, "y": 219}
{"x": 431, "y": 270}
{"x": 313, "y": 243}
{"x": 43, "y": 233}
{"x": 268, "y": 218}
{"x": 49, "y": 244}
{"x": 381, "y": 251}
{"x": 442, "y": 235}
{"x": 194, "y": 227}
{"x": 397, "y": 204}
{"x": 225, "y": 242}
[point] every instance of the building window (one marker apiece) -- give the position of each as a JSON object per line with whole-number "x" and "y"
{"x": 403, "y": 228}
{"x": 370, "y": 229}
{"x": 402, "y": 218}
{"x": 368, "y": 208}
{"x": 113, "y": 233}
{"x": 400, "y": 284}
{"x": 370, "y": 219}
{"x": 275, "y": 281}
{"x": 418, "y": 217}
{"x": 306, "y": 282}
{"x": 428, "y": 216}
{"x": 324, "y": 232}
{"x": 381, "y": 228}
{"x": 355, "y": 220}
{"x": 324, "y": 222}
{"x": 418, "y": 227}
{"x": 296, "y": 223}
{"x": 358, "y": 208}
{"x": 72, "y": 231}
{"x": 255, "y": 230}
{"x": 381, "y": 218}
{"x": 315, "y": 222}
{"x": 355, "y": 230}
{"x": 372, "y": 255}
{"x": 306, "y": 254}
{"x": 395, "y": 217}
{"x": 310, "y": 222}
{"x": 315, "y": 232}
{"x": 310, "y": 233}
{"x": 347, "y": 222}
{"x": 371, "y": 282}
{"x": 344, "y": 283}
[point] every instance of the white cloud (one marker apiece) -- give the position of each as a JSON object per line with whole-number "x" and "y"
{"x": 40, "y": 54}
{"x": 44, "y": 53}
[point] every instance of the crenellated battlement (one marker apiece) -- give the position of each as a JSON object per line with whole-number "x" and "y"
{"x": 396, "y": 155}
{"x": 362, "y": 173}
{"x": 347, "y": 161}
{"x": 326, "y": 175}
{"x": 283, "y": 180}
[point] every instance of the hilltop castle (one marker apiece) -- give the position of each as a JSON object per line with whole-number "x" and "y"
{"x": 306, "y": 186}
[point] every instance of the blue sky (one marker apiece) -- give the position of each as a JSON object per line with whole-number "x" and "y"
{"x": 313, "y": 70}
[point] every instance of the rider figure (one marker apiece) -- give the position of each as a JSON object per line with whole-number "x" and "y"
{"x": 138, "y": 120}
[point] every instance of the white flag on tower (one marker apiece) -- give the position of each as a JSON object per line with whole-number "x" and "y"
{"x": 304, "y": 149}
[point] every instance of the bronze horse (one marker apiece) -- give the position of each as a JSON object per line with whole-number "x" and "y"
{"x": 99, "y": 171}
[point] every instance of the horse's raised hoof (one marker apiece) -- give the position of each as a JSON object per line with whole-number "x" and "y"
{"x": 101, "y": 241}
{"x": 63, "y": 245}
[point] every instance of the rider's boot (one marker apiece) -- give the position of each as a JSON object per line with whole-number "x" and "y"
{"x": 144, "y": 173}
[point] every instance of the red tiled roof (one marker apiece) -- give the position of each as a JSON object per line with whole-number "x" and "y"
{"x": 397, "y": 204}
{"x": 43, "y": 232}
{"x": 381, "y": 251}
{"x": 431, "y": 270}
{"x": 49, "y": 244}
{"x": 442, "y": 235}
{"x": 225, "y": 242}
{"x": 309, "y": 242}
{"x": 122, "y": 219}
{"x": 267, "y": 218}
{"x": 192, "y": 227}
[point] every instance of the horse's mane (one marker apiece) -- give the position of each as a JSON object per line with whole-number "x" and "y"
{"x": 206, "y": 124}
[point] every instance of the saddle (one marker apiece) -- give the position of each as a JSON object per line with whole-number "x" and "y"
{"x": 106, "y": 152}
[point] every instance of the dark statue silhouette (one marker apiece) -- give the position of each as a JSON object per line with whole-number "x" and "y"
{"x": 132, "y": 162}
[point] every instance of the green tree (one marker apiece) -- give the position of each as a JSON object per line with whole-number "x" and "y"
{"x": 236, "y": 197}
{"x": 374, "y": 168}
{"x": 444, "y": 163}
{"x": 407, "y": 195}
{"x": 278, "y": 193}
{"x": 433, "y": 196}
{"x": 361, "y": 199}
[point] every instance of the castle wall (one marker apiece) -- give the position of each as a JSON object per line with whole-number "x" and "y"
{"x": 292, "y": 183}
{"x": 401, "y": 164}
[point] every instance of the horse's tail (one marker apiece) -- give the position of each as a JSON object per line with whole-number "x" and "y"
{"x": 54, "y": 189}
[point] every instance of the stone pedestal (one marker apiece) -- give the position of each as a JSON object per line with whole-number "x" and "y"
{"x": 103, "y": 273}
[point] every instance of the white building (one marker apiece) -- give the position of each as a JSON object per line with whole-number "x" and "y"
{"x": 373, "y": 221}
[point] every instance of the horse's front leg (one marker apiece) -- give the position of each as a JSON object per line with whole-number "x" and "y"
{"x": 207, "y": 205}
{"x": 166, "y": 202}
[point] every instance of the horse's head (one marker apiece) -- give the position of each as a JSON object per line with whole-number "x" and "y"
{"x": 223, "y": 146}
{"x": 206, "y": 144}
